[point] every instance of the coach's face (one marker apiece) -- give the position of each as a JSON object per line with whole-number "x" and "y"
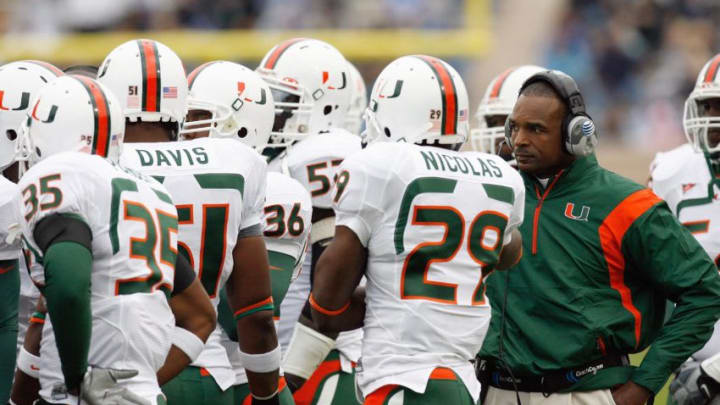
{"x": 535, "y": 132}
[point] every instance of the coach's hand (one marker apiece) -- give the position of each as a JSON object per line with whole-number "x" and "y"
{"x": 631, "y": 394}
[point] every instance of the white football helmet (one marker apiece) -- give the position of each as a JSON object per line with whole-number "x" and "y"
{"x": 239, "y": 101}
{"x": 358, "y": 101}
{"x": 73, "y": 113}
{"x": 149, "y": 81}
{"x": 697, "y": 126}
{"x": 19, "y": 85}
{"x": 499, "y": 99}
{"x": 418, "y": 99}
{"x": 310, "y": 82}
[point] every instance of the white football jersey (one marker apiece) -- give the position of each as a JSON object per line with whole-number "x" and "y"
{"x": 286, "y": 229}
{"x": 11, "y": 250}
{"x": 134, "y": 225}
{"x": 218, "y": 186}
{"x": 431, "y": 219}
{"x": 314, "y": 163}
{"x": 682, "y": 178}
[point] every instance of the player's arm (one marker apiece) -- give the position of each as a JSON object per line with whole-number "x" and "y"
{"x": 252, "y": 310}
{"x": 194, "y": 320}
{"x": 65, "y": 241}
{"x": 336, "y": 306}
{"x": 26, "y": 386}
{"x": 9, "y": 293}
{"x": 511, "y": 253}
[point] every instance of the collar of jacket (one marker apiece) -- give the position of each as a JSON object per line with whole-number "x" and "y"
{"x": 570, "y": 177}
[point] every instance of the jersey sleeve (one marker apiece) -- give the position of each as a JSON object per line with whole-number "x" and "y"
{"x": 254, "y": 198}
{"x": 357, "y": 198}
{"x": 54, "y": 188}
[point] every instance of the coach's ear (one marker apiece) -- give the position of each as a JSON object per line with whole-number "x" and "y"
{"x": 511, "y": 253}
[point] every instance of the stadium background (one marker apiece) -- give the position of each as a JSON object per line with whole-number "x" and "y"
{"x": 634, "y": 60}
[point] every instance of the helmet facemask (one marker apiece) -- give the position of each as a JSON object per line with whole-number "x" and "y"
{"x": 221, "y": 123}
{"x": 703, "y": 132}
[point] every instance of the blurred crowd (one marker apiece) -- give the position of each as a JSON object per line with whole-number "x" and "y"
{"x": 636, "y": 61}
{"x": 94, "y": 15}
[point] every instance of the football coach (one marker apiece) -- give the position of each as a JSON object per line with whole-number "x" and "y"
{"x": 601, "y": 256}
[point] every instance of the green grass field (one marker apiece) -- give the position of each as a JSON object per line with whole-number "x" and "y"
{"x": 661, "y": 398}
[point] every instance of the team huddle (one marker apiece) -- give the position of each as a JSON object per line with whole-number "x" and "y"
{"x": 271, "y": 236}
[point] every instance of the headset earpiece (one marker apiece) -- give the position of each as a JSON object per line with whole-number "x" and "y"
{"x": 579, "y": 134}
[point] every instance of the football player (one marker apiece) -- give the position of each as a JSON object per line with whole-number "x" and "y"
{"x": 104, "y": 237}
{"x": 218, "y": 187}
{"x": 228, "y": 100}
{"x": 311, "y": 85}
{"x": 19, "y": 83}
{"x": 687, "y": 179}
{"x": 497, "y": 103}
{"x": 425, "y": 225}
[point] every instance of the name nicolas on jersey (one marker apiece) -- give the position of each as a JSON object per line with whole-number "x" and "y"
{"x": 173, "y": 157}
{"x": 460, "y": 164}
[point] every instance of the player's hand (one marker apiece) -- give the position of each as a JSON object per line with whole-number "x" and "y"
{"x": 631, "y": 394}
{"x": 100, "y": 387}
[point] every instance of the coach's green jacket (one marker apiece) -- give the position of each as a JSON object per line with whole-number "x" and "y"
{"x": 601, "y": 254}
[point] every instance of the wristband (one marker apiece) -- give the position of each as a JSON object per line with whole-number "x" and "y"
{"x": 325, "y": 311}
{"x": 188, "y": 342}
{"x": 263, "y": 362}
{"x": 307, "y": 349}
{"x": 264, "y": 305}
{"x": 28, "y": 363}
{"x": 37, "y": 317}
{"x": 322, "y": 230}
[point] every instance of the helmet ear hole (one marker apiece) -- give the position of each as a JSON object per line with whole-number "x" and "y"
{"x": 11, "y": 134}
{"x": 37, "y": 150}
{"x": 327, "y": 110}
{"x": 242, "y": 132}
{"x": 387, "y": 132}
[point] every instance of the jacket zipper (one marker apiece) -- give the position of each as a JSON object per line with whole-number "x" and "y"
{"x": 536, "y": 216}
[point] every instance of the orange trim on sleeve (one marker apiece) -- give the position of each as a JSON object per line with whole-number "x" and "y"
{"x": 324, "y": 311}
{"x": 611, "y": 232}
{"x": 380, "y": 395}
{"x": 37, "y": 320}
{"x": 266, "y": 301}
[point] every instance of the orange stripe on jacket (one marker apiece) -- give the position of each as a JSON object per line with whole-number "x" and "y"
{"x": 611, "y": 233}
{"x": 306, "y": 393}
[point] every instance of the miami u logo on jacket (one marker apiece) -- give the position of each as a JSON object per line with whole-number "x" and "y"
{"x": 584, "y": 212}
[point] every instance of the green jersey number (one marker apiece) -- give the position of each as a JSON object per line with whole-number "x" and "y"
{"x": 315, "y": 175}
{"x": 483, "y": 240}
{"x": 213, "y": 236}
{"x": 158, "y": 228}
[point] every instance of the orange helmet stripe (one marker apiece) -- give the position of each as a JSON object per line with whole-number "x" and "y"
{"x": 279, "y": 50}
{"x": 712, "y": 70}
{"x": 448, "y": 94}
{"x": 499, "y": 82}
{"x": 150, "y": 66}
{"x": 101, "y": 111}
{"x": 52, "y": 68}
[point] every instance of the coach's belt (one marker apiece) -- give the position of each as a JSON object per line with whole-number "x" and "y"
{"x": 551, "y": 382}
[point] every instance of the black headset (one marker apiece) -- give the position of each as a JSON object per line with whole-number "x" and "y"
{"x": 578, "y": 130}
